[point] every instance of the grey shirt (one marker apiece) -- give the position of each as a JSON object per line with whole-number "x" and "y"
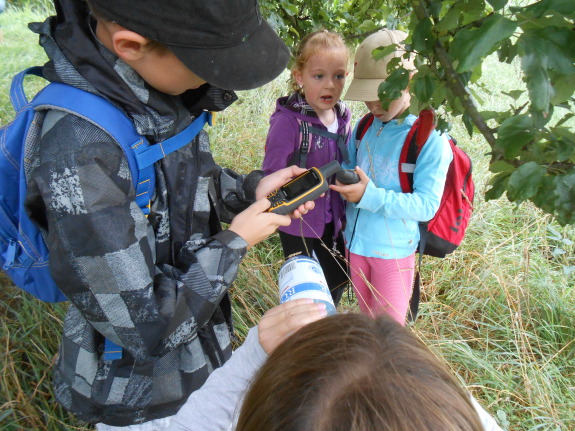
{"x": 216, "y": 405}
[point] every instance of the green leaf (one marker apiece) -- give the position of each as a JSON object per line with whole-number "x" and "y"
{"x": 538, "y": 83}
{"x": 507, "y": 51}
{"x": 423, "y": 86}
{"x": 513, "y": 134}
{"x": 555, "y": 48}
{"x": 564, "y": 86}
{"x": 497, "y": 4}
{"x": 494, "y": 115}
{"x": 468, "y": 123}
{"x": 565, "y": 118}
{"x": 514, "y": 94}
{"x": 542, "y": 7}
{"x": 450, "y": 21}
{"x": 498, "y": 186}
{"x": 383, "y": 51}
{"x": 565, "y": 198}
{"x": 368, "y": 26}
{"x": 422, "y": 38}
{"x": 564, "y": 145}
{"x": 434, "y": 7}
{"x": 391, "y": 88}
{"x": 501, "y": 166}
{"x": 525, "y": 182}
{"x": 471, "y": 45}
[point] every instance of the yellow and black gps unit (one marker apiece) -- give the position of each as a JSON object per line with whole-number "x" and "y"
{"x": 305, "y": 187}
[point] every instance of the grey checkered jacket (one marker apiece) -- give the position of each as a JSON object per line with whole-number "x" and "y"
{"x": 156, "y": 286}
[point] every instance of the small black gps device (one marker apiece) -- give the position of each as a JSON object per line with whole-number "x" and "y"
{"x": 347, "y": 176}
{"x": 305, "y": 187}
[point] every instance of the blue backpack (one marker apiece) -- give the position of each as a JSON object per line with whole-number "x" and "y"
{"x": 23, "y": 252}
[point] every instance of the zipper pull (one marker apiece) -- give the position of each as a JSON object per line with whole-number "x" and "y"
{"x": 380, "y": 129}
{"x": 10, "y": 254}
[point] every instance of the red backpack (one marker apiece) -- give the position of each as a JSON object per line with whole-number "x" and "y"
{"x": 442, "y": 234}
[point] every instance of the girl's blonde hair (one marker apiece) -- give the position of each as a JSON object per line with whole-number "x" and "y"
{"x": 312, "y": 44}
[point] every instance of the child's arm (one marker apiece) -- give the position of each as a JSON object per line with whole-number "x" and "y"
{"x": 254, "y": 224}
{"x": 110, "y": 262}
{"x": 429, "y": 181}
{"x": 351, "y": 150}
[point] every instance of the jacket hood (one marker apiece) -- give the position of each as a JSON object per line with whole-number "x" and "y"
{"x": 77, "y": 58}
{"x": 296, "y": 105}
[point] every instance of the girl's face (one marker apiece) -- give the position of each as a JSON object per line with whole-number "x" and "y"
{"x": 323, "y": 78}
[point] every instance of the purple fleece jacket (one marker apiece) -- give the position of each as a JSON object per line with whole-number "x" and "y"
{"x": 283, "y": 141}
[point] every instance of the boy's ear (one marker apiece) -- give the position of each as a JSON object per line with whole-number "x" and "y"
{"x": 128, "y": 45}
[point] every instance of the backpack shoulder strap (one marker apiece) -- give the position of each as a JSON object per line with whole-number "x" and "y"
{"x": 362, "y": 127}
{"x": 140, "y": 154}
{"x": 416, "y": 137}
{"x": 339, "y": 139}
{"x": 299, "y": 156}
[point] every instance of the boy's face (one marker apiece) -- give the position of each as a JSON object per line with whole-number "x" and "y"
{"x": 395, "y": 109}
{"x": 166, "y": 73}
{"x": 323, "y": 79}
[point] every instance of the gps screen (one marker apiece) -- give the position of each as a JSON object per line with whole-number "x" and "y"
{"x": 304, "y": 183}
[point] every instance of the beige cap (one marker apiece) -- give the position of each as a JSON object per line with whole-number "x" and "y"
{"x": 368, "y": 73}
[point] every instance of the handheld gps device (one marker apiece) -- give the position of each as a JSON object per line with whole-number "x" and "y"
{"x": 347, "y": 176}
{"x": 305, "y": 187}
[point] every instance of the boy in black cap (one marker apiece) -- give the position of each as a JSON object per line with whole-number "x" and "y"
{"x": 156, "y": 286}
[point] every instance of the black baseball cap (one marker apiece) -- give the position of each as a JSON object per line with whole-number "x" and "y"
{"x": 224, "y": 42}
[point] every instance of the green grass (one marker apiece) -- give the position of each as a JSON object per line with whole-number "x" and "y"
{"x": 499, "y": 310}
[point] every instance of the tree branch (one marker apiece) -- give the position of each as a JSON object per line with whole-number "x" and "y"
{"x": 454, "y": 81}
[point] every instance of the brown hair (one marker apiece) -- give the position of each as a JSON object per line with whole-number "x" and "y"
{"x": 313, "y": 43}
{"x": 354, "y": 373}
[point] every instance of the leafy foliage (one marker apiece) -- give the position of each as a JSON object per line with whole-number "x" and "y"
{"x": 354, "y": 19}
{"x": 532, "y": 145}
{"x": 533, "y": 149}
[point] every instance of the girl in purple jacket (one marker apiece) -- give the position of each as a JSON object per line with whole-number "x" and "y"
{"x": 310, "y": 127}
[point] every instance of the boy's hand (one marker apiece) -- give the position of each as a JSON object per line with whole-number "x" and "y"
{"x": 274, "y": 181}
{"x": 280, "y": 322}
{"x": 352, "y": 192}
{"x": 254, "y": 224}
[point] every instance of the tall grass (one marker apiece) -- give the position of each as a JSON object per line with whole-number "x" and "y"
{"x": 499, "y": 310}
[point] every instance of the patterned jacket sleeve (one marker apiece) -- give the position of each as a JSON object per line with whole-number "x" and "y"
{"x": 103, "y": 249}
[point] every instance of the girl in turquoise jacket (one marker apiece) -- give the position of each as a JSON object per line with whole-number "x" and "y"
{"x": 382, "y": 231}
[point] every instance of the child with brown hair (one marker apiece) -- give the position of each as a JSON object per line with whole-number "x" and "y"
{"x": 345, "y": 372}
{"x": 154, "y": 285}
{"x": 310, "y": 127}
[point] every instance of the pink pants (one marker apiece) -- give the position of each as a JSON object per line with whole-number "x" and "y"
{"x": 382, "y": 285}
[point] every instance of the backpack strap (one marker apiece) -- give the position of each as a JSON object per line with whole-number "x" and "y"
{"x": 339, "y": 139}
{"x": 304, "y": 143}
{"x": 17, "y": 95}
{"x": 362, "y": 127}
{"x": 305, "y": 129}
{"x": 141, "y": 155}
{"x": 416, "y": 138}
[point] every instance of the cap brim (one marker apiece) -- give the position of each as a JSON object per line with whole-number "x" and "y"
{"x": 251, "y": 64}
{"x": 363, "y": 90}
